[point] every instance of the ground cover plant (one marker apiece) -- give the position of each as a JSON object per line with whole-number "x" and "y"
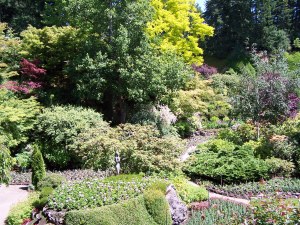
{"x": 284, "y": 187}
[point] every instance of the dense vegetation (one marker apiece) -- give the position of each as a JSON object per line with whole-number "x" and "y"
{"x": 86, "y": 84}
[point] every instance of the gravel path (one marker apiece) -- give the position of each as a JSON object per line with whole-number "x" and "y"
{"x": 192, "y": 145}
{"x": 9, "y": 196}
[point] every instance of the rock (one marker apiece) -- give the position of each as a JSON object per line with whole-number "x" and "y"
{"x": 55, "y": 217}
{"x": 179, "y": 211}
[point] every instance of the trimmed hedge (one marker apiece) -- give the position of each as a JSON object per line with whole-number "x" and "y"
{"x": 149, "y": 209}
{"x": 131, "y": 212}
{"x": 158, "y": 207}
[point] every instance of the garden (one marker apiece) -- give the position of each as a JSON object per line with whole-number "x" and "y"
{"x": 150, "y": 112}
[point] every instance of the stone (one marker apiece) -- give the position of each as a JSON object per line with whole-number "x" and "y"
{"x": 179, "y": 210}
{"x": 55, "y": 217}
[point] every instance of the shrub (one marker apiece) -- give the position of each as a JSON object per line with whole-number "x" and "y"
{"x": 51, "y": 180}
{"x": 43, "y": 198}
{"x": 21, "y": 210}
{"x": 205, "y": 70}
{"x": 23, "y": 160}
{"x": 224, "y": 161}
{"x": 158, "y": 207}
{"x": 38, "y": 166}
{"x": 131, "y": 212}
{"x": 279, "y": 167}
{"x": 57, "y": 129}
{"x": 6, "y": 162}
{"x": 141, "y": 149}
{"x": 188, "y": 192}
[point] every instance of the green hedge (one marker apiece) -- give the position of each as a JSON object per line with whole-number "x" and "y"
{"x": 149, "y": 210}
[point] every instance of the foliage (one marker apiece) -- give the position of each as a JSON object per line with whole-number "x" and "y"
{"x": 22, "y": 210}
{"x": 280, "y": 167}
{"x": 293, "y": 60}
{"x": 296, "y": 43}
{"x": 37, "y": 165}
{"x": 197, "y": 101}
{"x": 51, "y": 180}
{"x": 23, "y": 160}
{"x": 157, "y": 206}
{"x": 43, "y": 197}
{"x": 159, "y": 116}
{"x": 266, "y": 96}
{"x": 141, "y": 148}
{"x": 205, "y": 70}
{"x": 17, "y": 117}
{"x": 6, "y": 162}
{"x": 132, "y": 211}
{"x": 285, "y": 188}
{"x": 224, "y": 161}
{"x": 178, "y": 26}
{"x": 96, "y": 193}
{"x": 275, "y": 211}
{"x": 275, "y": 39}
{"x": 188, "y": 192}
{"x": 57, "y": 129}
{"x": 219, "y": 212}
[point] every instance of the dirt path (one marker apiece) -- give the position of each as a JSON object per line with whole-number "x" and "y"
{"x": 9, "y": 196}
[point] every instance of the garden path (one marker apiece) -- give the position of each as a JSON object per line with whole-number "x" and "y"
{"x": 192, "y": 144}
{"x": 225, "y": 198}
{"x": 10, "y": 195}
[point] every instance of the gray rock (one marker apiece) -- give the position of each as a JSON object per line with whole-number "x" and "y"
{"x": 179, "y": 211}
{"x": 54, "y": 216}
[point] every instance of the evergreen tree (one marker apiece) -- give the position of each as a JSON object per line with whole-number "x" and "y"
{"x": 38, "y": 166}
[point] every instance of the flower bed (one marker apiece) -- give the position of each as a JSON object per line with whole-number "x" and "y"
{"x": 96, "y": 193}
{"x": 286, "y": 188}
{"x": 70, "y": 175}
{"x": 219, "y": 212}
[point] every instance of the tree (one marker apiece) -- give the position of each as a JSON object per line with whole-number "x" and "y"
{"x": 17, "y": 117}
{"x": 6, "y": 162}
{"x": 270, "y": 95}
{"x": 117, "y": 71}
{"x": 177, "y": 26}
{"x": 37, "y": 166}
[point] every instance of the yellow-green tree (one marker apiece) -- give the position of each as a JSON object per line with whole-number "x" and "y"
{"x": 178, "y": 26}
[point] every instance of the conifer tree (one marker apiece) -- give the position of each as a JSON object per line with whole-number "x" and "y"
{"x": 38, "y": 166}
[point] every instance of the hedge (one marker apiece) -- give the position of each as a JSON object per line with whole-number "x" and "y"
{"x": 133, "y": 212}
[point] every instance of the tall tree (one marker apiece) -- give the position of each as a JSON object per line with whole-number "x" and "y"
{"x": 177, "y": 25}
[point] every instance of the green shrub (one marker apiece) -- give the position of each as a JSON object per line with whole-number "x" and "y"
{"x": 131, "y": 212}
{"x": 160, "y": 185}
{"x": 22, "y": 210}
{"x": 57, "y": 129}
{"x": 279, "y": 167}
{"x": 141, "y": 148}
{"x": 38, "y": 166}
{"x": 6, "y": 162}
{"x": 188, "y": 192}
{"x": 51, "y": 180}
{"x": 23, "y": 160}
{"x": 224, "y": 161}
{"x": 158, "y": 207}
{"x": 43, "y": 198}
